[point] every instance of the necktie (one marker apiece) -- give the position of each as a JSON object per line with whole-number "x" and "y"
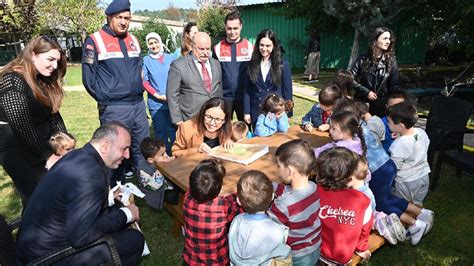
{"x": 205, "y": 76}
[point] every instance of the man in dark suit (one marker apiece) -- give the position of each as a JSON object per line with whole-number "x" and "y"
{"x": 70, "y": 205}
{"x": 192, "y": 80}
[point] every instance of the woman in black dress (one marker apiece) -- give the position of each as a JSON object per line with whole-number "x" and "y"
{"x": 30, "y": 96}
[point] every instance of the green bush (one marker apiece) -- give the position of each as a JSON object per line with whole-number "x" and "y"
{"x": 211, "y": 20}
{"x": 152, "y": 25}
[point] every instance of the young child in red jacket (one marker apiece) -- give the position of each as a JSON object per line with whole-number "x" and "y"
{"x": 345, "y": 213}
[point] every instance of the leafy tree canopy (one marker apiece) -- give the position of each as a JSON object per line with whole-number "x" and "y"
{"x": 75, "y": 17}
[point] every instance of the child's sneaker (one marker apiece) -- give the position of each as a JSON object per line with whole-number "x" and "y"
{"x": 382, "y": 227}
{"x": 417, "y": 231}
{"x": 426, "y": 216}
{"x": 396, "y": 227}
{"x": 167, "y": 185}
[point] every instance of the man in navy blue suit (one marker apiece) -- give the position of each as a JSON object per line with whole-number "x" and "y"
{"x": 70, "y": 206}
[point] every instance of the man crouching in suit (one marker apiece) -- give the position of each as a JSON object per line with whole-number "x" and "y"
{"x": 69, "y": 206}
{"x": 192, "y": 80}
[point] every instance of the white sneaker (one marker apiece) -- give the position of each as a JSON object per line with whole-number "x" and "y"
{"x": 426, "y": 216}
{"x": 417, "y": 231}
{"x": 396, "y": 227}
{"x": 382, "y": 227}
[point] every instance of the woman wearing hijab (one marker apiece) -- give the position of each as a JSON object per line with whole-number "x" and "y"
{"x": 155, "y": 74}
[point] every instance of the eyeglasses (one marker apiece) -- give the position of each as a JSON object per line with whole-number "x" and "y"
{"x": 209, "y": 118}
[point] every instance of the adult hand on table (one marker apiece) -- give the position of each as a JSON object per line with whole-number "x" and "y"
{"x": 204, "y": 148}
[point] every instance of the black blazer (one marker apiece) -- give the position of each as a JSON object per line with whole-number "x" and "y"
{"x": 255, "y": 93}
{"x": 69, "y": 207}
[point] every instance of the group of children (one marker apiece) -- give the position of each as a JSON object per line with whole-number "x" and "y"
{"x": 372, "y": 176}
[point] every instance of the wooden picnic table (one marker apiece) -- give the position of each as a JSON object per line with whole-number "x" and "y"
{"x": 178, "y": 170}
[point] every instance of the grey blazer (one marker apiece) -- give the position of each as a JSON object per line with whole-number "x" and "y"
{"x": 186, "y": 92}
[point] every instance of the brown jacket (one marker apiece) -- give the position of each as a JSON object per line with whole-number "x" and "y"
{"x": 187, "y": 140}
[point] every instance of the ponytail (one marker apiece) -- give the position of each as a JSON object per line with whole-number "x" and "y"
{"x": 360, "y": 133}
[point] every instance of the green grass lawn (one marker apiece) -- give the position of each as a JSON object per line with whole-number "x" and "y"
{"x": 73, "y": 76}
{"x": 449, "y": 243}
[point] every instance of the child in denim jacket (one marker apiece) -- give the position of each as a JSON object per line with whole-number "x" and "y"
{"x": 318, "y": 116}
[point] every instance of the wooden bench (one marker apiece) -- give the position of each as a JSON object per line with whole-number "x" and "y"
{"x": 375, "y": 242}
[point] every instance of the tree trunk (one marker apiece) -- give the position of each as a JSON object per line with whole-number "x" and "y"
{"x": 355, "y": 48}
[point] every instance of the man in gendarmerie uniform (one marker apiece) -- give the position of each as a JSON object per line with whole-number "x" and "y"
{"x": 111, "y": 73}
{"x": 234, "y": 54}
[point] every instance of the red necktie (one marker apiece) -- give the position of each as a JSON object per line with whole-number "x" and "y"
{"x": 205, "y": 76}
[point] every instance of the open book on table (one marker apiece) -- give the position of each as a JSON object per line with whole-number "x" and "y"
{"x": 240, "y": 152}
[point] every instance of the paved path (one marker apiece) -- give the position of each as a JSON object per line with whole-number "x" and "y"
{"x": 74, "y": 88}
{"x": 305, "y": 91}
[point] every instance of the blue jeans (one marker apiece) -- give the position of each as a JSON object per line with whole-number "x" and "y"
{"x": 307, "y": 260}
{"x": 163, "y": 127}
{"x": 381, "y": 185}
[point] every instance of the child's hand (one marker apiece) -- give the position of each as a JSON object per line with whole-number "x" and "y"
{"x": 308, "y": 127}
{"x": 394, "y": 135}
{"x": 365, "y": 255}
{"x": 271, "y": 116}
{"x": 278, "y": 116}
{"x": 323, "y": 127}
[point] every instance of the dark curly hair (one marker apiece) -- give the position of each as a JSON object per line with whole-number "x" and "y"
{"x": 205, "y": 181}
{"x": 334, "y": 168}
{"x": 149, "y": 147}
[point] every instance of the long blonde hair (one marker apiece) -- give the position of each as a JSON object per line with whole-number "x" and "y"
{"x": 47, "y": 90}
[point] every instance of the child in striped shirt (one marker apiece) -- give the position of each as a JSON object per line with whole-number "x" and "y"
{"x": 296, "y": 202}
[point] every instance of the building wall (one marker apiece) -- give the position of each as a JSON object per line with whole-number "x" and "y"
{"x": 335, "y": 47}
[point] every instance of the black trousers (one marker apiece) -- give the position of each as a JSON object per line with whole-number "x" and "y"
{"x": 378, "y": 107}
{"x": 236, "y": 106}
{"x": 129, "y": 243}
{"x": 24, "y": 169}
